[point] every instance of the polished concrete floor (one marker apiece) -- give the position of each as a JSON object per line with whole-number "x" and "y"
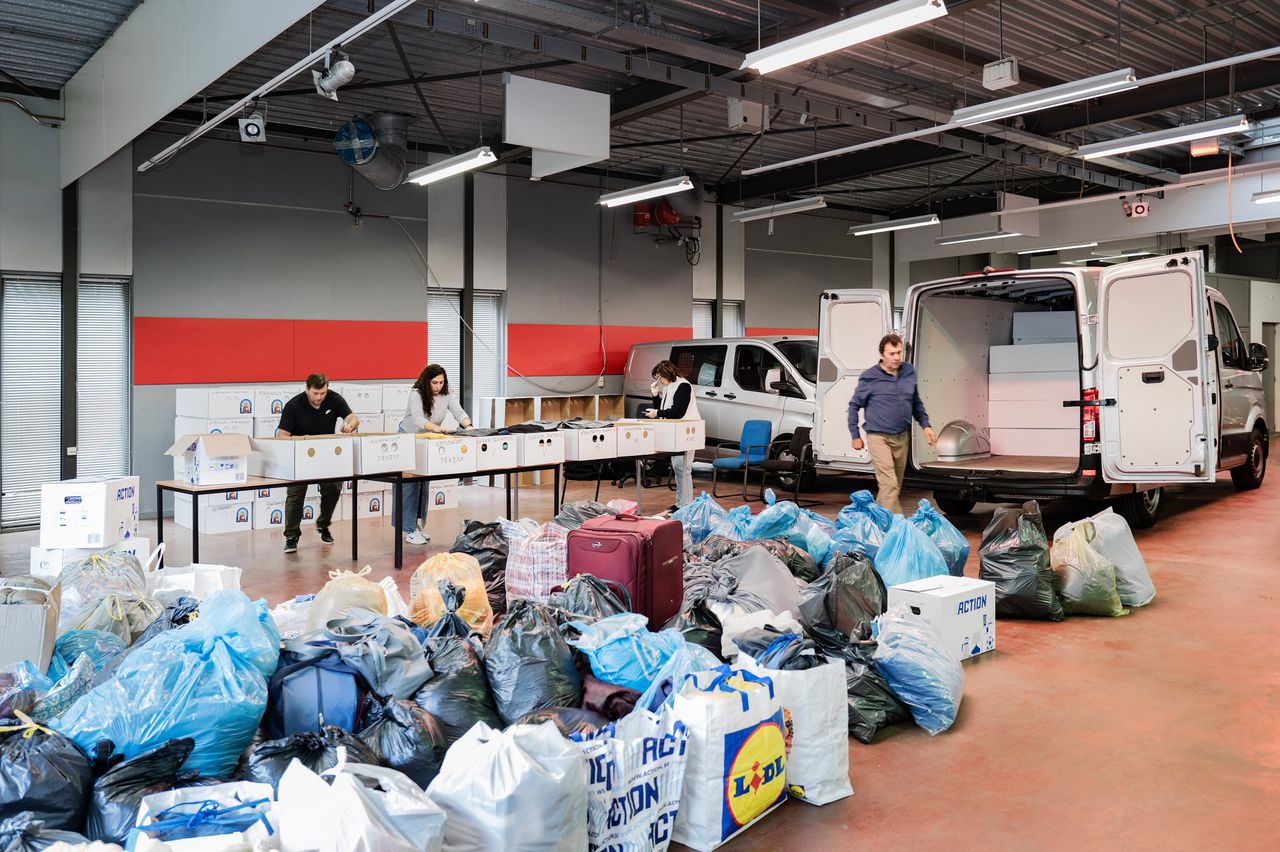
{"x": 1157, "y": 730}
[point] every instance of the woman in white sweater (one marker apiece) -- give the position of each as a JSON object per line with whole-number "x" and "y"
{"x": 429, "y": 403}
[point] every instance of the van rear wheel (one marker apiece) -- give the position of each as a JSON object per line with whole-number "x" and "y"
{"x": 953, "y": 505}
{"x": 1142, "y": 509}
{"x": 1249, "y": 475}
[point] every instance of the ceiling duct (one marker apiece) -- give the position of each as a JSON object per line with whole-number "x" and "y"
{"x": 375, "y": 147}
{"x": 685, "y": 204}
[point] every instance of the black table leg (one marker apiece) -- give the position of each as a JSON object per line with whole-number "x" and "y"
{"x": 397, "y": 515}
{"x": 507, "y": 477}
{"x": 355, "y": 516}
{"x": 159, "y": 515}
{"x": 557, "y": 489}
{"x": 195, "y": 527}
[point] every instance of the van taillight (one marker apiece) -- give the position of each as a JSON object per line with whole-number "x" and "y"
{"x": 1089, "y": 416}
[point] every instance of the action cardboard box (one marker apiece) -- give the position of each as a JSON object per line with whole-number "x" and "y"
{"x": 961, "y": 609}
{"x": 89, "y": 512}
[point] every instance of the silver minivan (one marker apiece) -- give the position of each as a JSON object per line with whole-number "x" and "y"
{"x": 735, "y": 379}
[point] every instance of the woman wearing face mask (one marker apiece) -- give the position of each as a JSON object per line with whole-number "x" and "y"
{"x": 429, "y": 403}
{"x": 673, "y": 400}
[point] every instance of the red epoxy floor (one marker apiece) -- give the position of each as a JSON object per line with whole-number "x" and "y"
{"x": 1157, "y": 730}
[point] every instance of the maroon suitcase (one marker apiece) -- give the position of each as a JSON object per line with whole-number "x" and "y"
{"x": 645, "y": 555}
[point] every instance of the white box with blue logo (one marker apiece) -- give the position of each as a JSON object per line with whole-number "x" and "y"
{"x": 213, "y": 459}
{"x": 214, "y": 517}
{"x": 93, "y": 511}
{"x": 211, "y": 426}
{"x": 215, "y": 402}
{"x": 961, "y": 609}
{"x": 269, "y": 400}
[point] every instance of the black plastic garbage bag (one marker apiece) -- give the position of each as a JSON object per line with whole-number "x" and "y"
{"x": 569, "y": 720}
{"x": 529, "y": 664}
{"x": 1014, "y": 555}
{"x": 42, "y": 772}
{"x": 850, "y": 594}
{"x": 489, "y": 547}
{"x": 574, "y": 515}
{"x": 699, "y": 625}
{"x": 450, "y": 624}
{"x": 119, "y": 791}
{"x": 872, "y": 704}
{"x": 317, "y": 751}
{"x": 777, "y": 649}
{"x": 176, "y": 614}
{"x": 587, "y": 598}
{"x": 406, "y": 738}
{"x": 25, "y": 833}
{"x": 458, "y": 696}
{"x": 798, "y": 561}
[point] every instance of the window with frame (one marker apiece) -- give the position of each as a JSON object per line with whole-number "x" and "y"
{"x": 1230, "y": 344}
{"x": 488, "y": 350}
{"x": 731, "y": 319}
{"x": 752, "y": 366}
{"x": 103, "y": 377}
{"x": 703, "y": 316}
{"x": 701, "y": 365}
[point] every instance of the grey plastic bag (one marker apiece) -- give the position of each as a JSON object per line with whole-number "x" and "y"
{"x": 383, "y": 650}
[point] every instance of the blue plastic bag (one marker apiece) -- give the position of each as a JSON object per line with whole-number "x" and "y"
{"x": 622, "y": 651}
{"x": 733, "y": 524}
{"x": 907, "y": 554}
{"x": 687, "y": 659}
{"x": 786, "y": 520}
{"x": 699, "y": 516}
{"x": 950, "y": 541}
{"x": 919, "y": 669}
{"x": 206, "y": 680}
{"x": 861, "y": 525}
{"x": 100, "y": 645}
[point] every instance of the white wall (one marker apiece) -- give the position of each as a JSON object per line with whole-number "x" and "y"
{"x": 30, "y": 200}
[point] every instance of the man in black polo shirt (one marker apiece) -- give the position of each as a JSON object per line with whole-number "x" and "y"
{"x": 314, "y": 412}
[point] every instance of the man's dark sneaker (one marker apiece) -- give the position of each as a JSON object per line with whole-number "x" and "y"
{"x": 290, "y": 545}
{"x": 326, "y": 536}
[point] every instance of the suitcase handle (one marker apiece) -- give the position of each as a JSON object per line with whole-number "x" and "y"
{"x": 628, "y": 517}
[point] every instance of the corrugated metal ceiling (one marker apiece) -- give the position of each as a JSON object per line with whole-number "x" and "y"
{"x": 44, "y": 42}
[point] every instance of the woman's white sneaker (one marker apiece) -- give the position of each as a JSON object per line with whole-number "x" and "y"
{"x": 417, "y": 537}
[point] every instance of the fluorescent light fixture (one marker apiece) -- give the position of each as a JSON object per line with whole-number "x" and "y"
{"x": 869, "y": 25}
{"x": 1067, "y": 93}
{"x": 893, "y": 225}
{"x": 973, "y": 238}
{"x": 452, "y": 166}
{"x": 670, "y": 186}
{"x": 1271, "y": 196}
{"x": 1127, "y": 254}
{"x": 1057, "y": 248}
{"x": 800, "y": 205}
{"x": 1172, "y": 136}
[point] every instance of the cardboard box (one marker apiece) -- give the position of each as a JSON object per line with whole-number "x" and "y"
{"x": 364, "y": 398}
{"x": 215, "y": 402}
{"x": 590, "y": 444}
{"x": 372, "y": 505}
{"x": 673, "y": 436}
{"x": 440, "y": 497}
{"x": 268, "y": 514}
{"x": 373, "y": 424}
{"x": 535, "y": 448}
{"x": 1034, "y": 358}
{"x": 268, "y": 494}
{"x": 441, "y": 455}
{"x": 214, "y": 517}
{"x": 1050, "y": 385}
{"x": 93, "y": 512}
{"x": 269, "y": 400}
{"x": 47, "y": 564}
{"x": 384, "y": 453}
{"x": 395, "y": 398}
{"x": 961, "y": 609}
{"x": 213, "y": 459}
{"x": 319, "y": 457}
{"x": 368, "y": 486}
{"x": 1044, "y": 327}
{"x": 498, "y": 452}
{"x": 265, "y": 427}
{"x": 636, "y": 439}
{"x": 27, "y": 629}
{"x": 1031, "y": 414}
{"x": 1064, "y": 443}
{"x": 211, "y": 426}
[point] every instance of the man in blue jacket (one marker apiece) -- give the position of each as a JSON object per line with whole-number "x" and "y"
{"x": 888, "y": 398}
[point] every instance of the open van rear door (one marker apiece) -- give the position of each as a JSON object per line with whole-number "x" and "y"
{"x": 850, "y": 325}
{"x": 1155, "y": 383}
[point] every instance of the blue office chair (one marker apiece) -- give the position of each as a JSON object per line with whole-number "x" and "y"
{"x": 753, "y": 448}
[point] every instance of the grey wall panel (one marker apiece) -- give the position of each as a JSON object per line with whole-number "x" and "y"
{"x": 106, "y": 217}
{"x": 805, "y": 233}
{"x": 645, "y": 283}
{"x": 153, "y": 412}
{"x": 30, "y": 200}
{"x": 783, "y": 289}
{"x": 552, "y": 385}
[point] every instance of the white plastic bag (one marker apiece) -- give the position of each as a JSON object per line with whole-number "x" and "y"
{"x": 737, "y": 764}
{"x": 235, "y": 798}
{"x": 734, "y": 622}
{"x": 524, "y": 788}
{"x": 366, "y": 809}
{"x": 196, "y": 580}
{"x": 817, "y": 703}
{"x": 396, "y": 604}
{"x": 635, "y": 774}
{"x": 291, "y": 616}
{"x": 1114, "y": 540}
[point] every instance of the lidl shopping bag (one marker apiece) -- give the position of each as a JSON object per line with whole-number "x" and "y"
{"x": 737, "y": 765}
{"x": 635, "y": 774}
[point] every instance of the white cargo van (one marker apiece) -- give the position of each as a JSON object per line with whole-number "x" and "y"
{"x": 735, "y": 379}
{"x": 1098, "y": 383}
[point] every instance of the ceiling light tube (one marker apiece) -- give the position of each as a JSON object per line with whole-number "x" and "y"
{"x": 1127, "y": 254}
{"x": 894, "y": 225}
{"x": 800, "y": 205}
{"x": 869, "y": 25}
{"x": 1271, "y": 196}
{"x": 1067, "y": 93}
{"x": 452, "y": 166}
{"x": 973, "y": 238}
{"x": 1172, "y": 136}
{"x": 1057, "y": 248}
{"x": 646, "y": 191}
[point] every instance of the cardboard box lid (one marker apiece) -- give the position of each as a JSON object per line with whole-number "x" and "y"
{"x": 256, "y": 443}
{"x": 221, "y": 444}
{"x": 942, "y": 584}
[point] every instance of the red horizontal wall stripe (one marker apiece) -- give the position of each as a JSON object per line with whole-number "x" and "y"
{"x": 778, "y": 332}
{"x": 194, "y": 350}
{"x": 574, "y": 350}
